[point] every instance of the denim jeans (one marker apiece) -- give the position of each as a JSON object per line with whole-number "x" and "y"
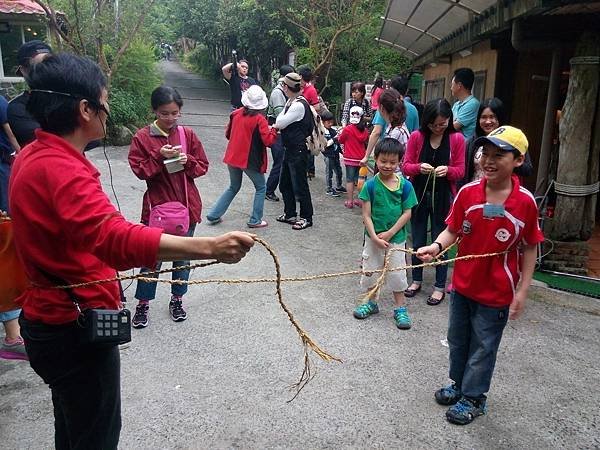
{"x": 474, "y": 334}
{"x": 147, "y": 291}
{"x": 332, "y": 164}
{"x": 277, "y": 152}
{"x": 85, "y": 381}
{"x": 419, "y": 222}
{"x": 4, "y": 176}
{"x": 294, "y": 184}
{"x": 235, "y": 183}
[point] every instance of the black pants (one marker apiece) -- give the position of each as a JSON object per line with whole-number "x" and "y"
{"x": 277, "y": 151}
{"x": 293, "y": 183}
{"x": 85, "y": 384}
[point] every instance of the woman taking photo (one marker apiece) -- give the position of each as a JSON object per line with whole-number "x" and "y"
{"x": 249, "y": 135}
{"x": 66, "y": 231}
{"x": 168, "y": 157}
{"x": 434, "y": 161}
{"x": 491, "y": 115}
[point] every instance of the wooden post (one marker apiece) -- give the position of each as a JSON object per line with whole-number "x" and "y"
{"x": 579, "y": 139}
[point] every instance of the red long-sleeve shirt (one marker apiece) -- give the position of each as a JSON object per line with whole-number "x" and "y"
{"x": 248, "y": 135}
{"x": 147, "y": 164}
{"x": 65, "y": 226}
{"x": 354, "y": 142}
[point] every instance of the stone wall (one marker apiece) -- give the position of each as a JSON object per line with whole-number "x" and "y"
{"x": 568, "y": 257}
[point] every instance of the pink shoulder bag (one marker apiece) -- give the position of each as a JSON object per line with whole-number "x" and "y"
{"x": 173, "y": 217}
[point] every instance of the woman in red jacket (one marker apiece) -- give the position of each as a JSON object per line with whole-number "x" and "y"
{"x": 173, "y": 182}
{"x": 434, "y": 162}
{"x": 249, "y": 135}
{"x": 66, "y": 232}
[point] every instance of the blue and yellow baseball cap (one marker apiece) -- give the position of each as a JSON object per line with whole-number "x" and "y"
{"x": 507, "y": 138}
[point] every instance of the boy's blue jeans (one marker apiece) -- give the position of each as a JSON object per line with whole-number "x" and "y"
{"x": 235, "y": 183}
{"x": 474, "y": 334}
{"x": 147, "y": 291}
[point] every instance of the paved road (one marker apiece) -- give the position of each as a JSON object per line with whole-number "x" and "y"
{"x": 220, "y": 379}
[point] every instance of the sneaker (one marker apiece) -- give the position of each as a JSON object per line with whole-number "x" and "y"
{"x": 140, "y": 318}
{"x": 272, "y": 197}
{"x": 332, "y": 193}
{"x": 214, "y": 221}
{"x": 176, "y": 310}
{"x": 401, "y": 318}
{"x": 341, "y": 189}
{"x": 465, "y": 411}
{"x": 16, "y": 350}
{"x": 366, "y": 309}
{"x": 448, "y": 395}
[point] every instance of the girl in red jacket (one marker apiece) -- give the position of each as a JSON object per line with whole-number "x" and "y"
{"x": 434, "y": 161}
{"x": 150, "y": 147}
{"x": 249, "y": 135}
{"x": 354, "y": 139}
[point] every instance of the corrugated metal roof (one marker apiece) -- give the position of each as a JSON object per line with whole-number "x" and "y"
{"x": 414, "y": 26}
{"x": 20, "y": 7}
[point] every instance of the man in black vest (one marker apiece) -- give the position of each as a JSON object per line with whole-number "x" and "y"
{"x": 295, "y": 123}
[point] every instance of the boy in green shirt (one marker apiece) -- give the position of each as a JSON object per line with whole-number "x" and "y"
{"x": 387, "y": 201}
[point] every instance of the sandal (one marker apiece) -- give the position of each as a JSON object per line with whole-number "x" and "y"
{"x": 290, "y": 220}
{"x": 301, "y": 224}
{"x": 348, "y": 204}
{"x": 411, "y": 292}
{"x": 432, "y": 301}
{"x": 358, "y": 202}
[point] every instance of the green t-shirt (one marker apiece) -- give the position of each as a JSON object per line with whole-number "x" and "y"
{"x": 387, "y": 205}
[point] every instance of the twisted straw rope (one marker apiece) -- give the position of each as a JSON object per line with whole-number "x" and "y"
{"x": 307, "y": 342}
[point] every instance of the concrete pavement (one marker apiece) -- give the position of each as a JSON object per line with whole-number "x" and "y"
{"x": 220, "y": 379}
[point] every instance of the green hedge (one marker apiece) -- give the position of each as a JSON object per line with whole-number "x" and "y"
{"x": 200, "y": 60}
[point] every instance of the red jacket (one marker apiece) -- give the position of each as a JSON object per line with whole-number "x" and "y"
{"x": 147, "y": 164}
{"x": 65, "y": 226}
{"x": 354, "y": 142}
{"x": 248, "y": 136}
{"x": 411, "y": 166}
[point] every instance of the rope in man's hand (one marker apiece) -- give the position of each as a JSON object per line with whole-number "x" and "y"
{"x": 307, "y": 342}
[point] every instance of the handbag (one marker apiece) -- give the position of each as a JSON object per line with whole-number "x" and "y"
{"x": 14, "y": 280}
{"x": 172, "y": 217}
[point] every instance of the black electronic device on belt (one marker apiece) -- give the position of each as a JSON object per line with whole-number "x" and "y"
{"x": 106, "y": 326}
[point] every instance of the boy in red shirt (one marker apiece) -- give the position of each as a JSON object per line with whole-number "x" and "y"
{"x": 492, "y": 215}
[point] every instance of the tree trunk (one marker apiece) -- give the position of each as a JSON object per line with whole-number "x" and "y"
{"x": 576, "y": 154}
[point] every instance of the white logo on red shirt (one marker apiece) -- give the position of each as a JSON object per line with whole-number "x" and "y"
{"x": 502, "y": 234}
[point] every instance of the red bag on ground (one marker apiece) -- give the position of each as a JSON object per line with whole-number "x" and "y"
{"x": 14, "y": 281}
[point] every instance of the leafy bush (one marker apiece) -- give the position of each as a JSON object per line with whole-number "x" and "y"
{"x": 201, "y": 61}
{"x": 131, "y": 85}
{"x": 127, "y": 109}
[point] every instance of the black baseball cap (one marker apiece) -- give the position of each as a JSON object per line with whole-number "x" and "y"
{"x": 30, "y": 49}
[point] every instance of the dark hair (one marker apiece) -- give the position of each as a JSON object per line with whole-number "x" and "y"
{"x": 400, "y": 83}
{"x": 163, "y": 95}
{"x": 327, "y": 115}
{"x": 70, "y": 79}
{"x": 497, "y": 107}
{"x": 285, "y": 69}
{"x": 437, "y": 107}
{"x": 251, "y": 112}
{"x": 295, "y": 88}
{"x": 362, "y": 125}
{"x": 392, "y": 102}
{"x": 305, "y": 73}
{"x": 389, "y": 146}
{"x": 358, "y": 86}
{"x": 244, "y": 61}
{"x": 378, "y": 83}
{"x": 464, "y": 76}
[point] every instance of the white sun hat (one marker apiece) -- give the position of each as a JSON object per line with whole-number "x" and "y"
{"x": 356, "y": 113}
{"x": 255, "y": 98}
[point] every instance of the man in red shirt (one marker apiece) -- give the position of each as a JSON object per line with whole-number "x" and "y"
{"x": 309, "y": 92}
{"x": 66, "y": 231}
{"x": 493, "y": 215}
